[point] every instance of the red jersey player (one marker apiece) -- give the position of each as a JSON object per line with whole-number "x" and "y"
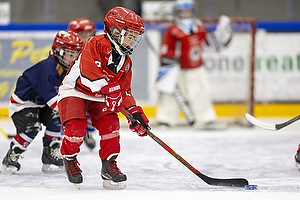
{"x": 183, "y": 45}
{"x": 84, "y": 27}
{"x": 99, "y": 82}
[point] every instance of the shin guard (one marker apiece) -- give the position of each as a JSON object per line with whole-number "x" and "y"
{"x": 74, "y": 132}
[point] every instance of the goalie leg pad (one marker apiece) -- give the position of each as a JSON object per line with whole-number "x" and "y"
{"x": 167, "y": 78}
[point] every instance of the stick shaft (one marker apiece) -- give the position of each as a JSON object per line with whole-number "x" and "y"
{"x": 183, "y": 104}
{"x": 280, "y": 126}
{"x": 3, "y": 132}
{"x": 235, "y": 182}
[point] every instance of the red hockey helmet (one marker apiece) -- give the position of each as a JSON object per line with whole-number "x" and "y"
{"x": 84, "y": 27}
{"x": 125, "y": 29}
{"x": 81, "y": 24}
{"x": 66, "y": 47}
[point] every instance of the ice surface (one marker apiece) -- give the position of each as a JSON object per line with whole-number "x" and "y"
{"x": 264, "y": 158}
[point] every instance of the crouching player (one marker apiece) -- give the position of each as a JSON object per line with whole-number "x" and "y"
{"x": 34, "y": 102}
{"x": 99, "y": 83}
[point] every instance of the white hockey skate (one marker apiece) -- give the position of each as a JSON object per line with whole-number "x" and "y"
{"x": 9, "y": 170}
{"x": 51, "y": 158}
{"x": 10, "y": 164}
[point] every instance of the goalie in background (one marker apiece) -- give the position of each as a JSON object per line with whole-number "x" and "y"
{"x": 34, "y": 102}
{"x": 85, "y": 29}
{"x": 181, "y": 55}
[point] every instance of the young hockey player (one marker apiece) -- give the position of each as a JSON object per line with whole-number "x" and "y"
{"x": 34, "y": 102}
{"x": 182, "y": 46}
{"x": 85, "y": 29}
{"x": 99, "y": 82}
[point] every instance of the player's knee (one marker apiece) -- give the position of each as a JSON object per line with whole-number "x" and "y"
{"x": 108, "y": 124}
{"x": 75, "y": 128}
{"x": 33, "y": 127}
{"x": 54, "y": 125}
{"x": 108, "y": 127}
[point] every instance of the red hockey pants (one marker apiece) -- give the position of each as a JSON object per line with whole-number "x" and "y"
{"x": 73, "y": 116}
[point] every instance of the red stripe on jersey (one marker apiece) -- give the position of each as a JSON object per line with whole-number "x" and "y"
{"x": 12, "y": 100}
{"x": 93, "y": 67}
{"x": 53, "y": 105}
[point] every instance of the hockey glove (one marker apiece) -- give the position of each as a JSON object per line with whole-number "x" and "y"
{"x": 141, "y": 125}
{"x": 113, "y": 97}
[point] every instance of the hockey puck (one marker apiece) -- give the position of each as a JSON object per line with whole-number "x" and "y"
{"x": 251, "y": 187}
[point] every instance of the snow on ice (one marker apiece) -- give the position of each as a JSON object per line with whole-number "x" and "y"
{"x": 264, "y": 158}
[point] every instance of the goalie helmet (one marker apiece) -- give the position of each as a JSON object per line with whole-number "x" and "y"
{"x": 84, "y": 27}
{"x": 66, "y": 47}
{"x": 125, "y": 30}
{"x": 184, "y": 13}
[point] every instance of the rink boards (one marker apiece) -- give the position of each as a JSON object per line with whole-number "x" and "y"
{"x": 226, "y": 110}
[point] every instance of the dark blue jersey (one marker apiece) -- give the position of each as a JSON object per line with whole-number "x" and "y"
{"x": 38, "y": 85}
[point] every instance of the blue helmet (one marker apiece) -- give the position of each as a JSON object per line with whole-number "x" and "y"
{"x": 184, "y": 4}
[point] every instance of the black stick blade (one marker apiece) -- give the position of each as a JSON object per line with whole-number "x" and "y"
{"x": 233, "y": 182}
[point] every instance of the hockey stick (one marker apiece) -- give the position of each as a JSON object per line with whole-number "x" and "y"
{"x": 184, "y": 105}
{"x": 268, "y": 126}
{"x": 233, "y": 182}
{"x": 3, "y": 132}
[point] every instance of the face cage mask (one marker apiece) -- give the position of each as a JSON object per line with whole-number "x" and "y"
{"x": 66, "y": 57}
{"x": 186, "y": 24}
{"x": 126, "y": 42}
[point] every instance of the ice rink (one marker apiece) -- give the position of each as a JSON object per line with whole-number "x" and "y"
{"x": 264, "y": 158}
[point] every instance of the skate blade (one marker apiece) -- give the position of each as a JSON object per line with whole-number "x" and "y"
{"x": 110, "y": 185}
{"x": 50, "y": 168}
{"x": 77, "y": 185}
{"x": 9, "y": 170}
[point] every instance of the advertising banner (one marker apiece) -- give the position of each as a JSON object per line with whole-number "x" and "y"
{"x": 20, "y": 50}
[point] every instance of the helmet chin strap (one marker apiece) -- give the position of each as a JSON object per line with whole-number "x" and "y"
{"x": 122, "y": 35}
{"x": 116, "y": 46}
